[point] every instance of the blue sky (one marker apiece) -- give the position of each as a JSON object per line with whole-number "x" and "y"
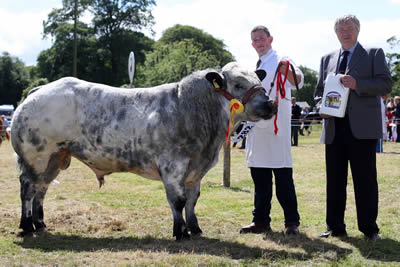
{"x": 302, "y": 30}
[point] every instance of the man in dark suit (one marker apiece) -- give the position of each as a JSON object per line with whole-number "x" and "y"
{"x": 353, "y": 138}
{"x": 296, "y": 112}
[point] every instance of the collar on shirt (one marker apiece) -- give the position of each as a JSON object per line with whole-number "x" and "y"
{"x": 351, "y": 50}
{"x": 265, "y": 57}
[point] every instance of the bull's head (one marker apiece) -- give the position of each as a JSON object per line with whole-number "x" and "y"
{"x": 245, "y": 86}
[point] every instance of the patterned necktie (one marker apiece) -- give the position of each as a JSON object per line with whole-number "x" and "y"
{"x": 343, "y": 63}
{"x": 258, "y": 63}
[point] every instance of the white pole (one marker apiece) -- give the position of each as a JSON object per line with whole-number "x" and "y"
{"x": 131, "y": 68}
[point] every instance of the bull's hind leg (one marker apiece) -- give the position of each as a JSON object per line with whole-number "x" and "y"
{"x": 26, "y": 178}
{"x": 34, "y": 188}
{"x": 58, "y": 161}
{"x": 37, "y": 207}
{"x": 192, "y": 194}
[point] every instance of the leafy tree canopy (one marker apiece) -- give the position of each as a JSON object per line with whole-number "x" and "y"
{"x": 180, "y": 51}
{"x": 103, "y": 46}
{"x": 394, "y": 65}
{"x": 204, "y": 41}
{"x": 307, "y": 92}
{"x": 14, "y": 77}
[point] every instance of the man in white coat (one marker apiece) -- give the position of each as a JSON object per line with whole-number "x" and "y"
{"x": 268, "y": 145}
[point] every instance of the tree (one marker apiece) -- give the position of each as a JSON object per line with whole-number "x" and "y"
{"x": 180, "y": 51}
{"x": 394, "y": 65}
{"x": 104, "y": 46}
{"x": 56, "y": 62}
{"x": 112, "y": 19}
{"x": 14, "y": 78}
{"x": 204, "y": 41}
{"x": 307, "y": 92}
{"x": 33, "y": 84}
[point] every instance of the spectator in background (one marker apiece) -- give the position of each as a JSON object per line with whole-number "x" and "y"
{"x": 397, "y": 117}
{"x": 296, "y": 112}
{"x": 389, "y": 122}
{"x": 390, "y": 103}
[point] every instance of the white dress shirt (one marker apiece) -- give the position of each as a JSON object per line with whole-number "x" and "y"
{"x": 264, "y": 149}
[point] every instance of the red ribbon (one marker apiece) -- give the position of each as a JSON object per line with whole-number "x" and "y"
{"x": 282, "y": 92}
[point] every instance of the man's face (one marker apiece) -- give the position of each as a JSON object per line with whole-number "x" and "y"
{"x": 261, "y": 42}
{"x": 347, "y": 34}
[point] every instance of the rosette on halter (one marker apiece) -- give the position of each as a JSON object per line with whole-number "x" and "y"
{"x": 235, "y": 107}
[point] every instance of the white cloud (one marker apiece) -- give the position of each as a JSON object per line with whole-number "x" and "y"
{"x": 305, "y": 42}
{"x": 230, "y": 21}
{"x": 20, "y": 32}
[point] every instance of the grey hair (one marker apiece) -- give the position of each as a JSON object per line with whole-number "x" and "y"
{"x": 345, "y": 19}
{"x": 261, "y": 28}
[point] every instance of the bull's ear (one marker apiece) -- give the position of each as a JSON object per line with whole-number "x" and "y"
{"x": 215, "y": 79}
{"x": 261, "y": 74}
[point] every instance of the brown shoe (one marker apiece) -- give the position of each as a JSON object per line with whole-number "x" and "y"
{"x": 292, "y": 230}
{"x": 255, "y": 228}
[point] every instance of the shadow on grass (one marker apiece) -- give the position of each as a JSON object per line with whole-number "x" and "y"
{"x": 393, "y": 153}
{"x": 231, "y": 188}
{"x": 49, "y": 242}
{"x": 385, "y": 249}
{"x": 313, "y": 248}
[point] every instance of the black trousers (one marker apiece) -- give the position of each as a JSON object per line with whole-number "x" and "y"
{"x": 295, "y": 135}
{"x": 285, "y": 193}
{"x": 361, "y": 154}
{"x": 398, "y": 130}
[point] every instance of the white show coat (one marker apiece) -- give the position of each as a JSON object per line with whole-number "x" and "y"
{"x": 264, "y": 149}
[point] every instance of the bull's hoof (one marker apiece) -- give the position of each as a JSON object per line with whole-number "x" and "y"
{"x": 196, "y": 231}
{"x": 25, "y": 234}
{"x": 26, "y": 225}
{"x": 40, "y": 227}
{"x": 182, "y": 236}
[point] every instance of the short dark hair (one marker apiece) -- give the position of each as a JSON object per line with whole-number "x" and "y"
{"x": 261, "y": 28}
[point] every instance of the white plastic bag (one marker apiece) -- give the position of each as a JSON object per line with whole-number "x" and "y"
{"x": 334, "y": 99}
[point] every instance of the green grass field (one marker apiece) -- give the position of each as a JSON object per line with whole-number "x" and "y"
{"x": 128, "y": 221}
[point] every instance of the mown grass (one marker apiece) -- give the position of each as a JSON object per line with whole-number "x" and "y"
{"x": 129, "y": 222}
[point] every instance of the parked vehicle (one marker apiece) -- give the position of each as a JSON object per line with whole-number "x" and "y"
{"x": 7, "y": 111}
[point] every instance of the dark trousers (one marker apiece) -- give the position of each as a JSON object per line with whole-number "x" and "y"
{"x": 285, "y": 193}
{"x": 295, "y": 135}
{"x": 361, "y": 154}
{"x": 398, "y": 130}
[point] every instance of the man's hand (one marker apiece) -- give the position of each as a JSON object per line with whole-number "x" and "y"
{"x": 290, "y": 76}
{"x": 348, "y": 82}
{"x": 325, "y": 116}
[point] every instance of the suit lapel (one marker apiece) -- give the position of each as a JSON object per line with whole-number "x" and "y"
{"x": 332, "y": 66}
{"x": 358, "y": 53}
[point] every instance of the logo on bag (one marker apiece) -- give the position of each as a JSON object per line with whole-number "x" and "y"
{"x": 333, "y": 100}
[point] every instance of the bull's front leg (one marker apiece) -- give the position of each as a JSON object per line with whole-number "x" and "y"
{"x": 192, "y": 194}
{"x": 177, "y": 200}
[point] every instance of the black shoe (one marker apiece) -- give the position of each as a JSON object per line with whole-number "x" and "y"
{"x": 255, "y": 228}
{"x": 373, "y": 237}
{"x": 332, "y": 233}
{"x": 292, "y": 230}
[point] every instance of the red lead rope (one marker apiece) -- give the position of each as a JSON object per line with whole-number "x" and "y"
{"x": 280, "y": 89}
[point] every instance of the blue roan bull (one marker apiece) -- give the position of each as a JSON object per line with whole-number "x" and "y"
{"x": 172, "y": 132}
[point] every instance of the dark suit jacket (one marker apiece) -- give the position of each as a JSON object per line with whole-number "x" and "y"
{"x": 369, "y": 68}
